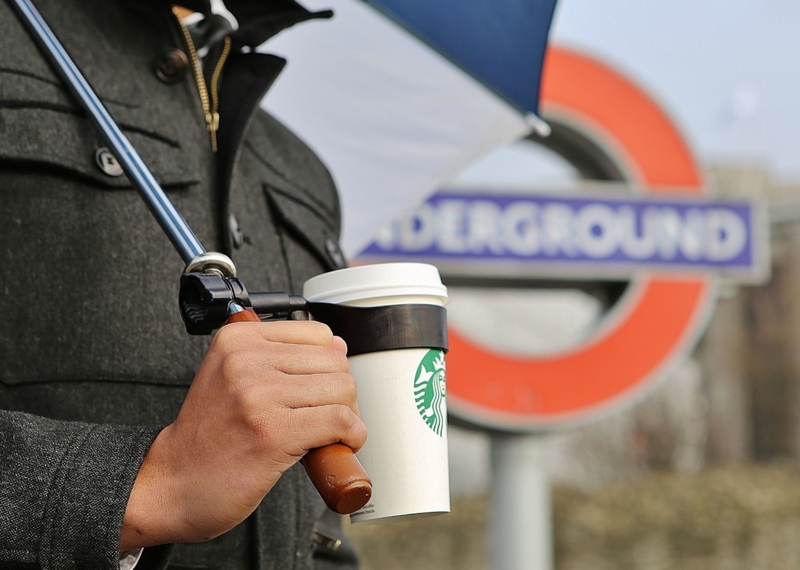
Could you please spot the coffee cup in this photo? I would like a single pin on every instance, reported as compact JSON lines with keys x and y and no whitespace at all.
{"x":393,"y":320}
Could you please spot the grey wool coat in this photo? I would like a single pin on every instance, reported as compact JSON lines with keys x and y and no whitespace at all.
{"x":94,"y":359}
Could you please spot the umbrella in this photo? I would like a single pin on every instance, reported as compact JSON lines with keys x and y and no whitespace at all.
{"x":399,"y":96}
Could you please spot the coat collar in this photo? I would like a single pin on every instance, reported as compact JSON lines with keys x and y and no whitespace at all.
{"x":258,"y":20}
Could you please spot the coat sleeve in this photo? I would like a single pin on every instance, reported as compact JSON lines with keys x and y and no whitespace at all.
{"x":64,"y":487}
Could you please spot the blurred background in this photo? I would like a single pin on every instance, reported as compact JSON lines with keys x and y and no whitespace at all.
{"x":703,"y":471}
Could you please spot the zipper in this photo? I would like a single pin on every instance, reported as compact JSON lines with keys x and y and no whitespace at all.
{"x":209,"y":99}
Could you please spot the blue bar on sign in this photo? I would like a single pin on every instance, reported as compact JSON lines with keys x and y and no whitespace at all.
{"x":634,"y":231}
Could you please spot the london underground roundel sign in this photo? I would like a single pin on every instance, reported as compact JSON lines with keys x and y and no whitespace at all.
{"x":659,"y":317}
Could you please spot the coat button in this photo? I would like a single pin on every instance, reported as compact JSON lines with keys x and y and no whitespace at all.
{"x":171,"y":66}
{"x":336,"y":255}
{"x":107,"y":162}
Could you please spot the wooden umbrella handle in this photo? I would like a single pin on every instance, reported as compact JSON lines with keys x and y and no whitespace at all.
{"x":335,"y":470}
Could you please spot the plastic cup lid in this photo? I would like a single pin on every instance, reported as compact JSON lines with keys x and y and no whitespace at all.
{"x":377,"y":280}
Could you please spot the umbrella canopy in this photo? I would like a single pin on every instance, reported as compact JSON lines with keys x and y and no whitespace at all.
{"x":397,"y":101}
{"x":500,"y":42}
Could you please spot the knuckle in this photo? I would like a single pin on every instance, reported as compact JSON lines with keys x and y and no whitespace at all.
{"x":320,"y":327}
{"x":321,"y":331}
{"x":266,"y":428}
{"x":271,"y":426}
{"x":355,"y":432}
{"x":345,"y":419}
{"x":338,"y":360}
{"x":346,"y":386}
{"x":247,"y":404}
{"x":234,"y":365}
{"x":280,"y":430}
{"x":226,"y":339}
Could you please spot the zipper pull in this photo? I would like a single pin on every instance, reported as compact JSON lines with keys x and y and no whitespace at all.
{"x":212,"y":124}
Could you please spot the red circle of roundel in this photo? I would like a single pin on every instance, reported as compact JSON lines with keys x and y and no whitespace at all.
{"x":658,"y":318}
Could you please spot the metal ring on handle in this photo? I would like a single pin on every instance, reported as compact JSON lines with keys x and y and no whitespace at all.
{"x":212,"y":263}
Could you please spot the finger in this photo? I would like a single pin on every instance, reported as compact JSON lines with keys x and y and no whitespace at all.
{"x":303,"y":359}
{"x":297,"y":359}
{"x":248,"y":334}
{"x":306,"y":391}
{"x":323,"y":425}
{"x":259,"y":361}
{"x":339,"y":344}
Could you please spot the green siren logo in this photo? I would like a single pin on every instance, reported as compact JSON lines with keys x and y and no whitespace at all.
{"x":429,"y":390}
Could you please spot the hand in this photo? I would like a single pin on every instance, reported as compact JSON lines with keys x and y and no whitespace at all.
{"x":265,"y":394}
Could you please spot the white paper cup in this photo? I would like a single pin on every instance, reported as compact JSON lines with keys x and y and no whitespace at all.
{"x":401,"y":393}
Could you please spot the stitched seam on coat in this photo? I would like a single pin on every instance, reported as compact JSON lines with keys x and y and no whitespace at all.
{"x":279,"y":230}
{"x":113,"y":381}
{"x":286,"y":226}
{"x":322,"y":218}
{"x":23,"y":556}
{"x":53,"y":82}
{"x":111,"y":528}
{"x":58,"y":108}
{"x":255,"y":534}
{"x":57,"y":83}
{"x":326,"y":211}
{"x":298,"y":514}
{"x":77,"y":440}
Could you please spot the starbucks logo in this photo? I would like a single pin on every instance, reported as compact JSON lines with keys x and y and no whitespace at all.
{"x":429,"y":390}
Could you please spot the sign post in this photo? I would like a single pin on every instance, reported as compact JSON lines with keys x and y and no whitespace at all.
{"x":520,"y":511}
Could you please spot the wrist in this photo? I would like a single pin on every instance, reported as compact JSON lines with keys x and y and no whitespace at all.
{"x":150,"y":514}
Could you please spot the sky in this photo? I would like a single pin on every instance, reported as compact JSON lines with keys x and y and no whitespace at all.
{"x":726,"y":71}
